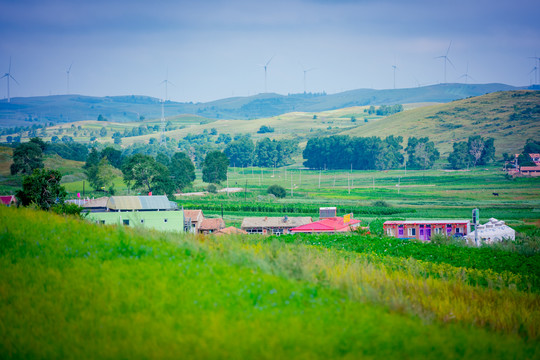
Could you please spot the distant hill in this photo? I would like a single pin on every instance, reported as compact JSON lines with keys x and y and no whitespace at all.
{"x":510,"y":117}
{"x":70,"y":108}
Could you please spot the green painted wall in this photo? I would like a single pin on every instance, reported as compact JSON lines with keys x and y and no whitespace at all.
{"x":159,"y":220}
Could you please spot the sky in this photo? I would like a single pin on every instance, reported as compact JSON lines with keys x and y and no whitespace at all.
{"x":212,"y":49}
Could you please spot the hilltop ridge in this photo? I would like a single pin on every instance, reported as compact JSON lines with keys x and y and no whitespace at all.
{"x":70,"y":108}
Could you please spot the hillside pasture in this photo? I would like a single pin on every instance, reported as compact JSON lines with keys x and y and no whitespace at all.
{"x":74,"y":289}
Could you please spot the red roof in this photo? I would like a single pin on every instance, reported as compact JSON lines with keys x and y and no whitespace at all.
{"x":212,"y":224}
{"x":530,"y":168}
{"x":335,"y":224}
{"x":8,"y":199}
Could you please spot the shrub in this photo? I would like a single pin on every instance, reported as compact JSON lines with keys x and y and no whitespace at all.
{"x":211,"y":188}
{"x":277,"y":191}
{"x":380,"y":203}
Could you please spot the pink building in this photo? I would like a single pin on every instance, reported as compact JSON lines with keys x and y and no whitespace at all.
{"x":328,"y":225}
{"x":425,"y":229}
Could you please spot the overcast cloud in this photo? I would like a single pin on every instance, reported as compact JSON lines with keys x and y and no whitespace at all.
{"x":213,"y":49}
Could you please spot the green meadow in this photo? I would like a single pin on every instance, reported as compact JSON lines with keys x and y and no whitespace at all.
{"x":71,"y":289}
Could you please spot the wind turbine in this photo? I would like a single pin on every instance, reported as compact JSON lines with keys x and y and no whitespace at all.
{"x":67,"y":72}
{"x":306,"y":71}
{"x":535,"y":69}
{"x":466,"y":75}
{"x":9,"y":76}
{"x":166,"y":82}
{"x":394,"y":68}
{"x":446,"y":59}
{"x":265,"y":66}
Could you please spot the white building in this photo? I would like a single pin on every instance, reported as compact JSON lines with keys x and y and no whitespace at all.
{"x":492,"y":231}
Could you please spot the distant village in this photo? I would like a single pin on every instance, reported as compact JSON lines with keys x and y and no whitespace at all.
{"x":157,"y":212}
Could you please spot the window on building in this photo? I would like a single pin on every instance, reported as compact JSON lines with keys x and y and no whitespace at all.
{"x":458,"y":230}
{"x":390,"y":232}
{"x":102,"y":221}
{"x":125,"y":222}
{"x":412,"y":231}
{"x":437,"y":230}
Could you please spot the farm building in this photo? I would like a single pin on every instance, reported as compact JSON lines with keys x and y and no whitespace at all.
{"x":194,"y":219}
{"x":493,"y":231}
{"x":424,"y":229}
{"x":99,"y":204}
{"x":273,"y":225}
{"x":530,"y":170}
{"x":8,"y":200}
{"x":155,"y":212}
{"x":209,"y":226}
{"x":328,"y":225}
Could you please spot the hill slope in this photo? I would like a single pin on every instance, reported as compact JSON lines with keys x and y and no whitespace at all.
{"x":71,"y":287}
{"x":68,"y":108}
{"x":510,"y":117}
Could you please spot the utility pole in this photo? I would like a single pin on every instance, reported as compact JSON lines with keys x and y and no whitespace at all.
{"x":320,"y":171}
{"x":291,"y":187}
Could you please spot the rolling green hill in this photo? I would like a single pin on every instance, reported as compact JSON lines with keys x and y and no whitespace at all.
{"x":69,"y":108}
{"x":74,"y":289}
{"x":510,"y":117}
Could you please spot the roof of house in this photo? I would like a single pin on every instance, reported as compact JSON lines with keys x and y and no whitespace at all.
{"x":275,"y":222}
{"x":194,"y":215}
{"x":326,"y":225}
{"x":229,"y":231}
{"x":212,"y":224}
{"x":426,"y":222}
{"x":158,"y":202}
{"x":530,"y":168}
{"x":97,"y":203}
{"x":7,"y":199}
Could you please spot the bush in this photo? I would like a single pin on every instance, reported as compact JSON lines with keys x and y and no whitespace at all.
{"x":277,"y":191}
{"x":380,"y":203}
{"x":67,"y":209}
{"x":211,"y":188}
{"x":376,"y":227}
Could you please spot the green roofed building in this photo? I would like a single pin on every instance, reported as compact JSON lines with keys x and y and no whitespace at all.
{"x":155,"y":212}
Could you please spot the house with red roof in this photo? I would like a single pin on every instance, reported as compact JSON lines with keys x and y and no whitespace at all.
{"x":328,"y":225}
{"x":8,"y":200}
{"x":209,"y":226}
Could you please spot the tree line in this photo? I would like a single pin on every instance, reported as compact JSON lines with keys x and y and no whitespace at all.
{"x":374,"y":153}
{"x":265,"y":153}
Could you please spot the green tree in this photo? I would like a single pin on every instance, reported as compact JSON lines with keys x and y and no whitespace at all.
{"x":113,"y":156}
{"x":422,"y":153}
{"x":277,"y":191}
{"x":103,"y":132}
{"x":144,"y":172}
{"x":214,"y":167}
{"x":482,"y":150}
{"x":26,"y":158}
{"x":100,"y":176}
{"x":240,"y":152}
{"x":42,"y":188}
{"x":92,"y":159}
{"x":460,"y":157}
{"x":182,"y":170}
{"x":163,"y":159}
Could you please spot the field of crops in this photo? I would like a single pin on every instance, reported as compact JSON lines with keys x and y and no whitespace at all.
{"x":72,"y":289}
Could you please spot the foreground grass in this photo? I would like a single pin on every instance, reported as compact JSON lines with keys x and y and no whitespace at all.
{"x":71,"y":289}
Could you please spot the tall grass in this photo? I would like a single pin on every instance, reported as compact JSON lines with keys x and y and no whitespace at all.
{"x":71,"y":289}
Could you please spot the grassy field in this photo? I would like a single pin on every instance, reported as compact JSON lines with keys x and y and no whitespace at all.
{"x":422,"y":194}
{"x":72,"y":289}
